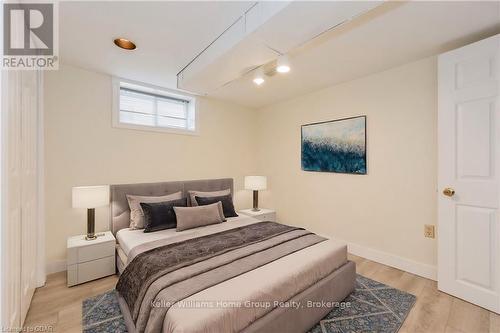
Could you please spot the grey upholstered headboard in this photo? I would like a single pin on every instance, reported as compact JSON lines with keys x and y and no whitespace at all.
{"x":120,"y":212}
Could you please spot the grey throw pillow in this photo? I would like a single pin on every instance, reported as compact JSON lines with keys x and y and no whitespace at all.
{"x":194,"y":217}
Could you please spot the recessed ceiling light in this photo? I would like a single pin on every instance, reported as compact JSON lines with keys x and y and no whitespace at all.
{"x":258,"y":78}
{"x":125,"y":44}
{"x":283,"y":65}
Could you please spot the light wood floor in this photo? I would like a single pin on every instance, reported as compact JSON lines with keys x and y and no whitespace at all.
{"x":434,"y":312}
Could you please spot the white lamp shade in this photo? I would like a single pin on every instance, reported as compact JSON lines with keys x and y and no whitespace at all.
{"x":255,"y":183}
{"x":90,"y":196}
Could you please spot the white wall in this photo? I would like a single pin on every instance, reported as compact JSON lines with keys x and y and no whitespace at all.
{"x":82,"y":148}
{"x":383,"y":212}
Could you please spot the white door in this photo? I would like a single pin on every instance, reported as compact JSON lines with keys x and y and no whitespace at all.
{"x":469,"y":173}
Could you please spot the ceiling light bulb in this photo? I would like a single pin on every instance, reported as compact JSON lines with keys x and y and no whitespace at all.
{"x":283,"y":65}
{"x":258,"y":78}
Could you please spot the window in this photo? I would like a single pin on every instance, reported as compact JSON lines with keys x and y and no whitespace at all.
{"x":146,"y":107}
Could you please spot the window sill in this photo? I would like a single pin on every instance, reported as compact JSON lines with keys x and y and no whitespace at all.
{"x":156,"y":129}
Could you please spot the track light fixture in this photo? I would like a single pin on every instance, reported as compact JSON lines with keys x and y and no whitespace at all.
{"x":258,"y":77}
{"x":283,"y":65}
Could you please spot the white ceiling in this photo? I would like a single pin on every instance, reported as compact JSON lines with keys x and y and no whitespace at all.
{"x":390,"y":35}
{"x":263,"y":33}
{"x":170,"y":34}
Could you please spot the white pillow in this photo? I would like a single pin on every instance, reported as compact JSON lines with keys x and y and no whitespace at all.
{"x":136,"y":213}
{"x":193,"y":194}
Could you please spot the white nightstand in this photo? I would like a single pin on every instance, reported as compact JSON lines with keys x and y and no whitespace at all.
{"x":90,"y":260}
{"x":263,"y":214}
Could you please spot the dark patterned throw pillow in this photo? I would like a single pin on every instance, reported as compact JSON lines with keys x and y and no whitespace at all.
{"x":161,"y":215}
{"x":227,"y":203}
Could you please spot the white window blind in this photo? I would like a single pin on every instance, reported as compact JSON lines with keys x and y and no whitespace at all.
{"x":153,"y":108}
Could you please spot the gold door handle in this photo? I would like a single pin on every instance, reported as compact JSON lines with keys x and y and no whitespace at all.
{"x":449,"y":192}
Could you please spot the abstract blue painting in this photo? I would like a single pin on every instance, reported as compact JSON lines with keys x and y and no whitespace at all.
{"x":335,"y":146}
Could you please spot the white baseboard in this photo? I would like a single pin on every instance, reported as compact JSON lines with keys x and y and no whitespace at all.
{"x":404,"y":264}
{"x":424,"y":270}
{"x":56,"y":266}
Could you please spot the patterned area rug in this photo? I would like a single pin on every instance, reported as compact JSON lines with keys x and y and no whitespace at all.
{"x":102,"y":314}
{"x":372,"y":307}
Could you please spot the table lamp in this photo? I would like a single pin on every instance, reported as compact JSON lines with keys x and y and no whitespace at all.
{"x":255,"y":183}
{"x":90,"y":197}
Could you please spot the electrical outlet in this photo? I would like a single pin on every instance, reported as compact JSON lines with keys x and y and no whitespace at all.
{"x":429,"y":231}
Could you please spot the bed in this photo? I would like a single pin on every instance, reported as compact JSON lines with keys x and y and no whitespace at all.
{"x":281,"y":279}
